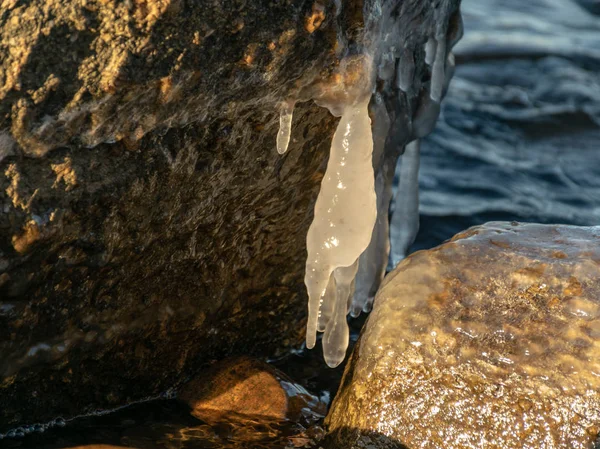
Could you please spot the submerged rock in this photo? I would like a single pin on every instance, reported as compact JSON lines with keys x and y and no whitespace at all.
{"x":489,"y":340}
{"x":245,"y":388}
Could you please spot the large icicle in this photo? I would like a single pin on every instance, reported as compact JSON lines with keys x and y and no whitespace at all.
{"x":373,"y":260}
{"x":345,"y":214}
{"x":380,"y":67}
{"x":405,"y":221}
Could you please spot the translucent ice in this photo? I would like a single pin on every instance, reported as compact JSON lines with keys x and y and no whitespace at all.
{"x":345,"y":214}
{"x":405,"y":221}
{"x":285,"y":126}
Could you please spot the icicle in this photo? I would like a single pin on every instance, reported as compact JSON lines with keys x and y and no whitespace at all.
{"x":336,"y":337}
{"x":426,"y":116}
{"x":430,"y":50}
{"x":406,"y":70}
{"x":437,"y":71}
{"x":345,"y":214}
{"x":285,"y":126}
{"x":373,"y":260}
{"x":405,"y":221}
{"x":386,"y":67}
{"x":327,"y":305}
{"x":455,"y":29}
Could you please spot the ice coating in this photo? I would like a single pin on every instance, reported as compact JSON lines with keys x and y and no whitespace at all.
{"x":405,"y":221}
{"x":373,"y":260}
{"x":385,"y":75}
{"x":285,"y":126}
{"x":345,"y":213}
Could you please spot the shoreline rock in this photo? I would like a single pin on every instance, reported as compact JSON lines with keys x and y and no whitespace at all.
{"x":147,"y":224}
{"x":490,"y":339}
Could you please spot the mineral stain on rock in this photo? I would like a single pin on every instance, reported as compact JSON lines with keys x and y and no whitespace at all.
{"x":489,"y":340}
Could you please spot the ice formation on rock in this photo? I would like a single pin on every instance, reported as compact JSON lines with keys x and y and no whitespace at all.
{"x":345,"y":214}
{"x":387,"y":76}
{"x":405,"y":221}
{"x":285,"y":126}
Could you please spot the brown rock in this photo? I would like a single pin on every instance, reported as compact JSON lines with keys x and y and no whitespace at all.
{"x":243,"y":387}
{"x":491,"y":340}
{"x":147,"y":223}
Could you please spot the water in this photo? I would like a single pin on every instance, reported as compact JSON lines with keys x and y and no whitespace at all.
{"x":519,"y":135}
{"x":518,"y":139}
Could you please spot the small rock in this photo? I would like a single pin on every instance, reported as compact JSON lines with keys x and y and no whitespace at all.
{"x":245,"y":387}
{"x":490,"y":340}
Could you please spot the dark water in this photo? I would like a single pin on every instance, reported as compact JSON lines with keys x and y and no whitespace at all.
{"x":519,"y":135}
{"x":518,"y":139}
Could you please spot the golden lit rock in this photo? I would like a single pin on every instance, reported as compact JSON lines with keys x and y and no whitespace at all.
{"x":489,"y":340}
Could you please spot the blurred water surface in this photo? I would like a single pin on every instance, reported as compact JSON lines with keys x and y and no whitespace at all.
{"x":519,"y":134}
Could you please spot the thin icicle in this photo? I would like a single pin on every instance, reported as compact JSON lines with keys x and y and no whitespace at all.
{"x":405,"y":221}
{"x":430,"y":50}
{"x":285,"y":126}
{"x":337,"y":335}
{"x":406,"y":70}
{"x":438,"y":77}
{"x":373,"y":260}
{"x":327,"y":305}
{"x":455,"y":29}
{"x":425,"y":117}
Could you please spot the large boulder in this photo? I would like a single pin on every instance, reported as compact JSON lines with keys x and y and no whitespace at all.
{"x":147,"y":224}
{"x":490,"y":340}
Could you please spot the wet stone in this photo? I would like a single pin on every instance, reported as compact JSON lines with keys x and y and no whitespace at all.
{"x":242,"y":388}
{"x":489,"y":340}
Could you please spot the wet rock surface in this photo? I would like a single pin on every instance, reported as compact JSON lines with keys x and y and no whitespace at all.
{"x":161,"y":229}
{"x":147,"y":224}
{"x":244,"y":388}
{"x":489,"y":340}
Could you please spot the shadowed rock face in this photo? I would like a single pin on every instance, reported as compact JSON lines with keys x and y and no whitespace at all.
{"x":147,"y":224}
{"x":489,"y":340}
{"x":126,"y":266}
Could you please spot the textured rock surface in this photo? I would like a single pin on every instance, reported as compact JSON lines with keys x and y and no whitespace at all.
{"x":147,"y":223}
{"x":127,"y":265}
{"x":242,"y":387}
{"x":490,"y":340}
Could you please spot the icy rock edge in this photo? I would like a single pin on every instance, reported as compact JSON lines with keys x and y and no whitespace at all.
{"x":385,"y":108}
